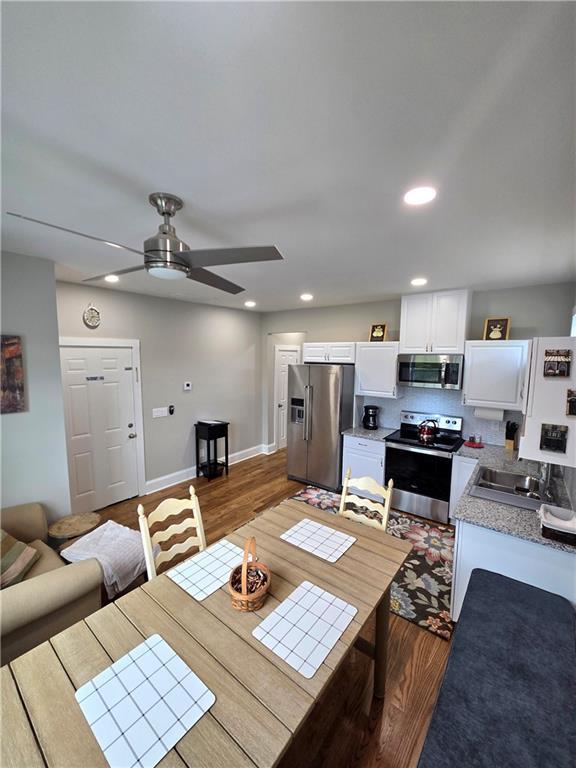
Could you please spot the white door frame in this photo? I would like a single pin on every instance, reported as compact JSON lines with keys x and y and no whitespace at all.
{"x":277,"y":348}
{"x":134,"y":345}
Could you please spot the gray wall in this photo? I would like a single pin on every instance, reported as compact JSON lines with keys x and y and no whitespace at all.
{"x":217,"y":349}
{"x":34,"y":464}
{"x":542,"y":310}
{"x":535,"y":311}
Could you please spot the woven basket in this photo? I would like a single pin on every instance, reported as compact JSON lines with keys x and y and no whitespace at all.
{"x":249,"y":601}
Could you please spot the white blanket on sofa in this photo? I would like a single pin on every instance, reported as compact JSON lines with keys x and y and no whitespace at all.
{"x":119,"y":551}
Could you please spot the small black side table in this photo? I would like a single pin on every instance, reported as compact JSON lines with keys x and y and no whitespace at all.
{"x":211,"y":431}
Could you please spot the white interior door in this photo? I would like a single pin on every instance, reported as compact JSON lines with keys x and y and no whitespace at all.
{"x":100,"y":425}
{"x":285,"y":355}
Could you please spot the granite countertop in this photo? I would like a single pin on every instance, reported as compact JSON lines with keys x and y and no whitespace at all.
{"x":370,"y":434}
{"x":504,"y":518}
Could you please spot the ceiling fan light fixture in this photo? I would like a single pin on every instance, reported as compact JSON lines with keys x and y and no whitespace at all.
{"x":165,"y":272}
{"x":112,"y":278}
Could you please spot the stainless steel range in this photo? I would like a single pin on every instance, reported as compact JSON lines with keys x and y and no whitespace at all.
{"x":419,"y":461}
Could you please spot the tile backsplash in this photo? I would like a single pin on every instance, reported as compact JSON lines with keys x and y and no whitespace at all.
{"x":437,"y":401}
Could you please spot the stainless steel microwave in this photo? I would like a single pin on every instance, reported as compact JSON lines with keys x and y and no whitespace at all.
{"x":434,"y":371}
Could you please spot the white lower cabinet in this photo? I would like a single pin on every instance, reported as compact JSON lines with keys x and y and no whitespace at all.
{"x":537,"y":564}
{"x":364,"y":458}
{"x":462,"y":468}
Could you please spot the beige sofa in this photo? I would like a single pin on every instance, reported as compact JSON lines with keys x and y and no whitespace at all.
{"x":52,"y":596}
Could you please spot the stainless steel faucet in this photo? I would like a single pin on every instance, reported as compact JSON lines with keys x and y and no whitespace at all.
{"x":546,"y":469}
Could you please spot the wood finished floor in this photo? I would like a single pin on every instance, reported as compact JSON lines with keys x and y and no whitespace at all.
{"x":390,"y":734}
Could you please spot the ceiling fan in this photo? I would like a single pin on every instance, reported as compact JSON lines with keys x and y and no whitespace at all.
{"x":169,"y":258}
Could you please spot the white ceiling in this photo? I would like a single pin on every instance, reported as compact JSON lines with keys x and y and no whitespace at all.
{"x":299,"y":125}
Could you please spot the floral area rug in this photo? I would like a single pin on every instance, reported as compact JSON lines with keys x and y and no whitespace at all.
{"x":421,"y":590}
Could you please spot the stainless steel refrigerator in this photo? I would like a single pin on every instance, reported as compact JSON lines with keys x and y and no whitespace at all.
{"x":321,"y":403}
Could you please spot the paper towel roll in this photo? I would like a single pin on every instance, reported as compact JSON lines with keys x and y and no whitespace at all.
{"x":492,"y":414}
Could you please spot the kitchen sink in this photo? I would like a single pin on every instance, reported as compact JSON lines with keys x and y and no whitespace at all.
{"x":525,"y":491}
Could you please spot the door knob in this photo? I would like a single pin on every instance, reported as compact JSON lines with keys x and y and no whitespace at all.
{"x":132,"y":435}
{"x":279,"y":405}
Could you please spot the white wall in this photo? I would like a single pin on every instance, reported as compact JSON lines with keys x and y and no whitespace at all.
{"x":34,"y":464}
{"x":217,"y":349}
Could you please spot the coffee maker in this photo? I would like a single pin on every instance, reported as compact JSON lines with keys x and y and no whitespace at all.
{"x":370,"y":418}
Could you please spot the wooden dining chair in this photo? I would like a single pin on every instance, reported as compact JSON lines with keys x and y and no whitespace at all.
{"x":163,"y":511}
{"x":369,"y":485}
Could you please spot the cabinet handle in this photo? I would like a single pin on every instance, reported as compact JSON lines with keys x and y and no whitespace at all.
{"x":382,"y":463}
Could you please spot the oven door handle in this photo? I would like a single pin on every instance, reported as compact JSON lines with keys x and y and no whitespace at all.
{"x":417,"y":449}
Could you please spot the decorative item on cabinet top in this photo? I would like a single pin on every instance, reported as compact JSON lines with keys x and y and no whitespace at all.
{"x":378,"y":332}
{"x":496,"y":329}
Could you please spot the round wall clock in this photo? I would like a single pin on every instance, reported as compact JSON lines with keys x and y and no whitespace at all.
{"x":91,"y":316}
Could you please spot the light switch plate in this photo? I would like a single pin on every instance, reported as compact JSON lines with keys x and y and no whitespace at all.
{"x":158,"y":413}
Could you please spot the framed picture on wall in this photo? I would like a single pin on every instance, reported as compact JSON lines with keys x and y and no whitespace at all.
{"x":496,"y":328}
{"x":13,"y":400}
{"x":378,"y":332}
{"x":557,"y":363}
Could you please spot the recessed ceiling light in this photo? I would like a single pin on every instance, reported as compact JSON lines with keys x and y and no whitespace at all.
{"x":112,"y":278}
{"x":306,"y":297}
{"x":419,"y":281}
{"x":419,"y":195}
{"x":250,"y":304}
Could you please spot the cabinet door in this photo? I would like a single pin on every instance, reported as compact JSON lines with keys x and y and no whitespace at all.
{"x":462,"y":468}
{"x":344,"y":352}
{"x":314,"y":353}
{"x":494,"y":374}
{"x":449,"y":321}
{"x":363,"y":463}
{"x":415,"y":319}
{"x":376,"y":368}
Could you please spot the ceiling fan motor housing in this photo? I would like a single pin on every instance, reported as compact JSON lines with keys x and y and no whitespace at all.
{"x":161,"y":250}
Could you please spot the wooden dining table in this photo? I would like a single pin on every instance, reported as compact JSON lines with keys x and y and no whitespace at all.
{"x":261,"y":702}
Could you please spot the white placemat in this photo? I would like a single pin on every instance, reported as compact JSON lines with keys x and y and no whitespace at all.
{"x":204,"y":573}
{"x":305,"y":627}
{"x":143,"y":704}
{"x":320,"y":540}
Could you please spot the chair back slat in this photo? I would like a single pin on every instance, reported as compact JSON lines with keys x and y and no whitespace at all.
{"x":166,"y":509}
{"x":169,"y":554}
{"x":369,"y":485}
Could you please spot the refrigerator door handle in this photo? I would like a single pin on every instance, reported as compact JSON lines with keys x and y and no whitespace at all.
{"x":307,"y":411}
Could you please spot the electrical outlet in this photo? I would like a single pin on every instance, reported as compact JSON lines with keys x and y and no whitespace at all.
{"x":187,"y":387}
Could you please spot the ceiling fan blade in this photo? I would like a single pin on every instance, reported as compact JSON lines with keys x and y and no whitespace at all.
{"x":73,"y":232}
{"x":115,"y":272}
{"x":215,"y":257}
{"x":214,"y":281}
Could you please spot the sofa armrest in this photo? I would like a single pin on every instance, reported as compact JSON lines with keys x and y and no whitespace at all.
{"x":30,"y":600}
{"x":25,"y":522}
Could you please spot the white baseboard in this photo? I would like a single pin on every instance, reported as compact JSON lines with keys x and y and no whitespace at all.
{"x":183,"y":475}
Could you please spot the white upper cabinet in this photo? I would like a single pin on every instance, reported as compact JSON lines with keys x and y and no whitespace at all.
{"x":495,"y":374}
{"x":376,"y":368}
{"x":342,"y":352}
{"x":415,"y":322}
{"x":434,"y":322}
{"x":314,"y":353}
{"x":329,"y":352}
